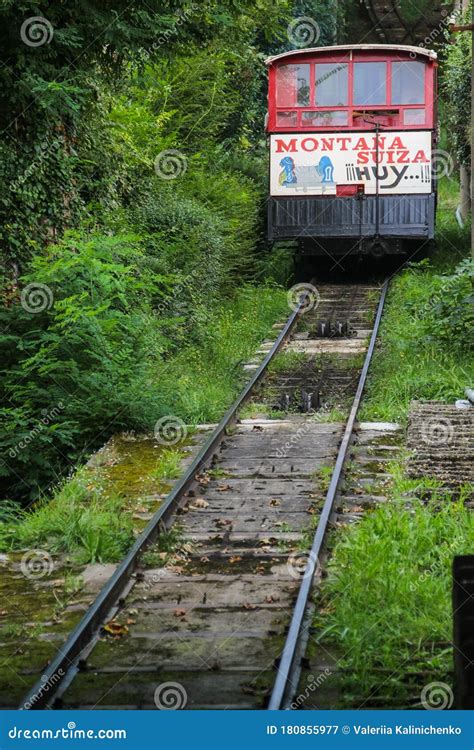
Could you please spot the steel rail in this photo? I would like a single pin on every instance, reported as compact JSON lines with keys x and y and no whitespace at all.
{"x":56,"y":673}
{"x":281,"y":693}
{"x":372,"y":13}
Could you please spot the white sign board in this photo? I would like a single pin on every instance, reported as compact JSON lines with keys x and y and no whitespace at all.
{"x":317,"y":163}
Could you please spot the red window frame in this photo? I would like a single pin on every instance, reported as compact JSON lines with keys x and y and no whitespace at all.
{"x":397,"y":122}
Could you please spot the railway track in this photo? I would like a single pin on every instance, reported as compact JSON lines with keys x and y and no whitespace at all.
{"x":424,"y":23}
{"x":224,"y":622}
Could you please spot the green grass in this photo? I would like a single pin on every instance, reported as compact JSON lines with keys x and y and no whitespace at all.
{"x":385,"y":607}
{"x":79,"y":520}
{"x":286,"y":361}
{"x":200,"y":381}
{"x":254,"y":409}
{"x":218,"y":474}
{"x":159,"y":554}
{"x":388,"y":595}
{"x":168,"y":465}
{"x":332,"y":415}
{"x":421,"y":356}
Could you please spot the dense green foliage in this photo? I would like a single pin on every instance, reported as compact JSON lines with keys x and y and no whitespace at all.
{"x":53,"y":79}
{"x":79,"y":364}
{"x":116,"y":349}
{"x":456,"y":92}
{"x":140,"y":127}
{"x":111,"y":353}
{"x":388,"y":599}
{"x":426,"y":341}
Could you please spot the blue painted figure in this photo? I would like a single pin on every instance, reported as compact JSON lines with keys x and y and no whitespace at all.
{"x":326,"y":169}
{"x":288,"y":174}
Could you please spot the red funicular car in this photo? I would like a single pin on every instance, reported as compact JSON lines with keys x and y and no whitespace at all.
{"x":352,"y":131}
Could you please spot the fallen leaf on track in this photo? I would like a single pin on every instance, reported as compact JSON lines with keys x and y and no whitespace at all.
{"x":222,"y":522}
{"x":272,"y":598}
{"x":115,"y":628}
{"x":198,"y":503}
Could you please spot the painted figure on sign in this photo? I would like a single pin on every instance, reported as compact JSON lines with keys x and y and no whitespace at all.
{"x":287,"y":175}
{"x":326,"y":169}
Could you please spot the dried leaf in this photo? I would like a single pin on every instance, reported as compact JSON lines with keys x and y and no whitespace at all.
{"x":272,"y":598}
{"x":222,"y":522}
{"x":199,"y":503}
{"x":115,"y":628}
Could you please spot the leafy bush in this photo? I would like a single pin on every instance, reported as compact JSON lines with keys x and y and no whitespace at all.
{"x":456,"y":90}
{"x":103,"y":354}
{"x":426,"y":346}
{"x":448,"y":316}
{"x":75,"y":365}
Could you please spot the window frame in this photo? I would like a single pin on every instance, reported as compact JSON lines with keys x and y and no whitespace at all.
{"x":419,"y":105}
{"x":288,"y":107}
{"x":313,"y":89}
{"x":351,"y":58}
